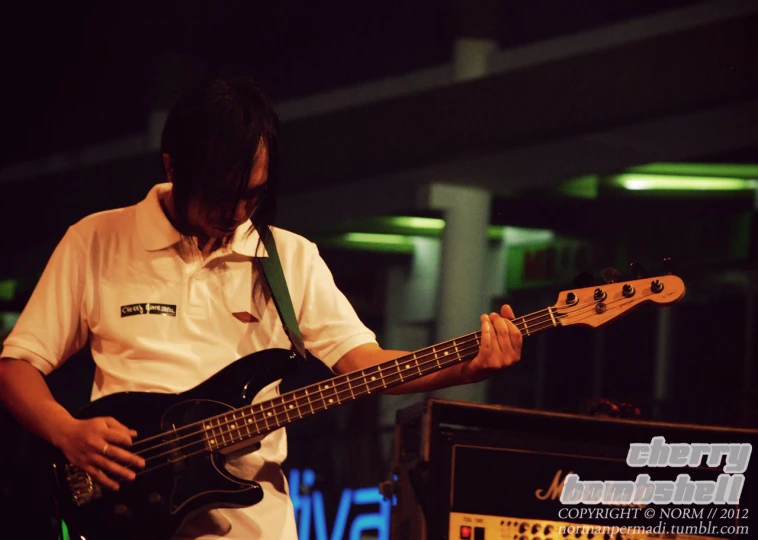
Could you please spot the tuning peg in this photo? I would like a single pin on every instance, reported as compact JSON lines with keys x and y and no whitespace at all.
{"x":668,"y":266}
{"x":585,"y":279}
{"x":638,"y":270}
{"x":610,"y":275}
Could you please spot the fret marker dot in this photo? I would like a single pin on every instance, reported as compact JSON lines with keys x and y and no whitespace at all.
{"x":233,"y":426}
{"x":447,"y":352}
{"x":373,"y":378}
{"x":249,"y":421}
{"x":407,"y":366}
{"x":269,"y":414}
{"x":207,"y":426}
{"x":331,"y":400}
{"x":292,"y":407}
{"x":326,"y":386}
{"x":213,"y":441}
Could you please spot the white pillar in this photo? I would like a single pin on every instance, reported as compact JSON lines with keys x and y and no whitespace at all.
{"x":471,"y":57}
{"x":476,"y":37}
{"x":410,"y":311}
{"x":462,"y":297}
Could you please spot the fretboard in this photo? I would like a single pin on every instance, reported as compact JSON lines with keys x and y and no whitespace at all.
{"x":251,"y":421}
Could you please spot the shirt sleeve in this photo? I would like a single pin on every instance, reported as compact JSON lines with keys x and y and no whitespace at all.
{"x":328,"y":322}
{"x":53,"y":325}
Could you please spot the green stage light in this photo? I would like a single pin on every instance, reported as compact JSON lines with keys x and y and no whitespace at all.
{"x":649,"y":182}
{"x":410,"y":226}
{"x":64,"y":532}
{"x":376,"y":238}
{"x":519,"y":236}
{"x":416,"y":223}
{"x":8,"y":289}
{"x":583,"y":187}
{"x":399,"y":234}
{"x":380,"y":242}
{"x":718,"y":170}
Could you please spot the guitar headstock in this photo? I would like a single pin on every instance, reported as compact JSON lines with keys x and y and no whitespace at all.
{"x":595,"y":306}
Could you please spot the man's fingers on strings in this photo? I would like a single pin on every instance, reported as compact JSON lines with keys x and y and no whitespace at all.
{"x":100,"y":476}
{"x":118,"y":427}
{"x":123,"y":456}
{"x":486,"y":340}
{"x":515,"y":342}
{"x":501,"y":332}
{"x":508,"y":338}
{"x":112,"y":468}
{"x":507,"y":312}
{"x":117,"y":437}
{"x":111,"y":448}
{"x":499,"y":323}
{"x":517,"y":339}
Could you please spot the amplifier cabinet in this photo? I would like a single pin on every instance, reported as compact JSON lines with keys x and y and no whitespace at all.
{"x":474,"y":472}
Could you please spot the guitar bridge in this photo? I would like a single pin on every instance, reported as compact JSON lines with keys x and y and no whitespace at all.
{"x":83,"y":488}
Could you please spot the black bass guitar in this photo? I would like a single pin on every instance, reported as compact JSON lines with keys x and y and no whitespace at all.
{"x":185,"y":438}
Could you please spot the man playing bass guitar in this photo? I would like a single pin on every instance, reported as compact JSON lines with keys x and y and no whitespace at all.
{"x":167,"y":294}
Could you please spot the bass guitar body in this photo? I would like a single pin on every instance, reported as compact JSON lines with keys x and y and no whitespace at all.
{"x":183,"y":475}
{"x":185,"y":437}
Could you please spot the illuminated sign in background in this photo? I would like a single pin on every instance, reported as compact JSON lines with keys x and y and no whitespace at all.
{"x":359,"y":511}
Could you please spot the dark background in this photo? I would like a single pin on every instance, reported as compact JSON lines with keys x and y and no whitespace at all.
{"x":82,"y":74}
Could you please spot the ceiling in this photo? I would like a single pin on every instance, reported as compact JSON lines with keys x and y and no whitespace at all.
{"x":685,"y":95}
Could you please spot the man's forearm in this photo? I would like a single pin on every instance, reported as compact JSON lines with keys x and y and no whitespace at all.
{"x":25,"y":394}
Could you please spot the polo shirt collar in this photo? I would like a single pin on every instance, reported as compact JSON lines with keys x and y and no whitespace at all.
{"x":247,"y":244}
{"x":156,"y":231}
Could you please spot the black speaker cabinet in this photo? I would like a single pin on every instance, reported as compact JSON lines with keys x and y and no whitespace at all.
{"x":482,"y":472}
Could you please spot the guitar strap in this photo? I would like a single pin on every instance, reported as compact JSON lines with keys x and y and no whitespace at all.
{"x":274,"y":275}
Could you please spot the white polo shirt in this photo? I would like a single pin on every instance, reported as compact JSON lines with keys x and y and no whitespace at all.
{"x":160,"y":320}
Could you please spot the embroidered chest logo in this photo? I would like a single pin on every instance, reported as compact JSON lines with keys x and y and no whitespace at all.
{"x":167,"y":310}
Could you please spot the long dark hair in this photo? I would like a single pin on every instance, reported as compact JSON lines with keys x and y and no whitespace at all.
{"x":212,"y":136}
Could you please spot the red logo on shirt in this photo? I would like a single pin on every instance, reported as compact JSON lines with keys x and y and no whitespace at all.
{"x":245,"y":317}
